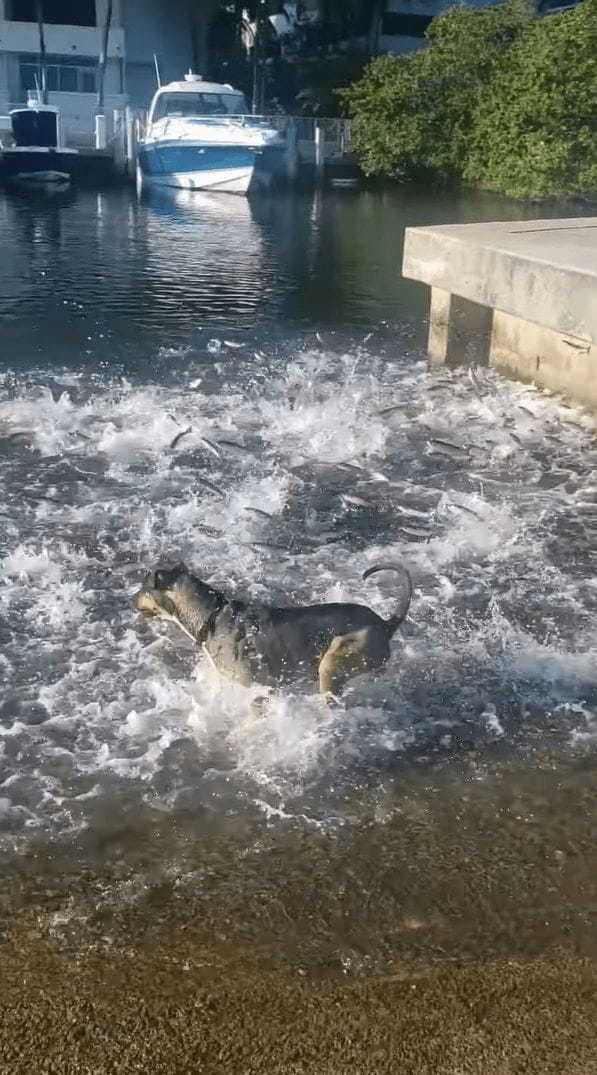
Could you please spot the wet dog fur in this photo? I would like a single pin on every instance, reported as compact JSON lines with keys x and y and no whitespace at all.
{"x":324,"y":644}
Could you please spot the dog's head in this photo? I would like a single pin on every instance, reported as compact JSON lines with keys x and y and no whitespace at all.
{"x":173,"y":593}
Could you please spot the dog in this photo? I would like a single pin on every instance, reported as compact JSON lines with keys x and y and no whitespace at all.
{"x":325,"y":644}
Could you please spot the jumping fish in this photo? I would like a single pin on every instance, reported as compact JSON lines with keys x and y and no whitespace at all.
{"x":352,"y":466}
{"x":259,"y":511}
{"x":178,"y":438}
{"x":412,"y":512}
{"x":210,"y":485}
{"x":463,"y":507}
{"x":389,"y":410}
{"x":266,"y":545}
{"x":239,"y":447}
{"x":211,"y":447}
{"x":449,"y":444}
{"x":354,"y":501}
{"x":41,"y":496}
{"x":415,"y":532}
{"x":209,"y":531}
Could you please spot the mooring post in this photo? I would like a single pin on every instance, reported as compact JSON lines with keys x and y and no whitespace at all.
{"x":291,"y":151}
{"x":131,"y":141}
{"x":319,"y":152}
{"x":101,"y":139}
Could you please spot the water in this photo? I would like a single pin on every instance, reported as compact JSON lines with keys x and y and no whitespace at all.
{"x":243,"y":386}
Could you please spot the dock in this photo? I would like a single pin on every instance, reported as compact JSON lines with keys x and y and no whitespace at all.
{"x":520,"y":296}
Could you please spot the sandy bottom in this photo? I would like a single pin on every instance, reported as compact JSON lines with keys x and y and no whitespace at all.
{"x":189,"y":1003}
{"x":485,"y":922}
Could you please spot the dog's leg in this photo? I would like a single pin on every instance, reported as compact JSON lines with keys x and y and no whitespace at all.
{"x":346,"y":656}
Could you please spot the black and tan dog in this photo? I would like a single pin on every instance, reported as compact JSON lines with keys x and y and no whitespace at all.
{"x":326,"y":644}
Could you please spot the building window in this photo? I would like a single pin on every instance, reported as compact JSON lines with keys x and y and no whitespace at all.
{"x":69,"y":74}
{"x":405,"y":25}
{"x":56,"y":12}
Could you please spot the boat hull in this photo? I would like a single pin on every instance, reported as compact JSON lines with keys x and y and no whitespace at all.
{"x":36,"y":167}
{"x":198,"y":167}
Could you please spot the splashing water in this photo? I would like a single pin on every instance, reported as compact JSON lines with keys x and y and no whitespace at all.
{"x":292,"y":476}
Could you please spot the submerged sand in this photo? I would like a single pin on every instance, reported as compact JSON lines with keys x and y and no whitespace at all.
{"x":185,"y":1004}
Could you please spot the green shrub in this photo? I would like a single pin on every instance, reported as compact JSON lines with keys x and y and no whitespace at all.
{"x":413,"y":113}
{"x":499,"y":97}
{"x":535,"y":132}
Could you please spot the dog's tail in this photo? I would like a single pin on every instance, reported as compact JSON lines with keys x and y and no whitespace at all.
{"x":405,"y":596}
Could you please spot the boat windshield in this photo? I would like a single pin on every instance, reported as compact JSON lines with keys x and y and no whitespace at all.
{"x":200,"y":104}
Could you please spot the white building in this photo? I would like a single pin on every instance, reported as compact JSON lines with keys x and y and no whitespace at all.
{"x":73,"y":35}
{"x":404,"y":22}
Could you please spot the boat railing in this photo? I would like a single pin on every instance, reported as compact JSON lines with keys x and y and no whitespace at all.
{"x":315,"y":137}
{"x":336,"y":132}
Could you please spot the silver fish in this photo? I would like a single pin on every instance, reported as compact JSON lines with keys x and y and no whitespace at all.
{"x":210,"y":485}
{"x":178,"y":438}
{"x":259,"y":511}
{"x":211,"y":447}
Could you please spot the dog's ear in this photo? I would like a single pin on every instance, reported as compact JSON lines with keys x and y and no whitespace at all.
{"x":159,"y":580}
{"x":164,"y":578}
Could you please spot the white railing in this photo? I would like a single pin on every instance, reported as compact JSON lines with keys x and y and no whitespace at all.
{"x":336,"y":133}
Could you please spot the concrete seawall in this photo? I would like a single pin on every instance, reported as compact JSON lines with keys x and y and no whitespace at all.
{"x":520,"y":296}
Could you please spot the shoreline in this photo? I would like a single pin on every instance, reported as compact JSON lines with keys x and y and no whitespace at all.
{"x":187,"y":1004}
{"x":472,"y":951}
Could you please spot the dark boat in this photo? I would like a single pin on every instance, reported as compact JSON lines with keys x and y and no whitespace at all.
{"x":36,"y":160}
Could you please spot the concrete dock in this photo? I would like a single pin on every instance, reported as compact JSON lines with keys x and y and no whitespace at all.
{"x":520,"y":296}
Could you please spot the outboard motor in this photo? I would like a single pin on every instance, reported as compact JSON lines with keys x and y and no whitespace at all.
{"x":36,"y":126}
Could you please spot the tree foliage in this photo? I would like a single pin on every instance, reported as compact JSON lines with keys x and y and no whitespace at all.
{"x":535,"y":131}
{"x":500,"y":97}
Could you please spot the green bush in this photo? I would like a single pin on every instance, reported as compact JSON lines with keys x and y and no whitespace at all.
{"x":499,"y":97}
{"x":535,"y":132}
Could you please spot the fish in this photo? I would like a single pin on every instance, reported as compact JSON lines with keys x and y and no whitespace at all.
{"x":210,"y":485}
{"x":415,"y":532}
{"x":259,"y":511}
{"x":42,"y":496}
{"x":211,"y":447}
{"x":449,"y":444}
{"x":374,"y":476}
{"x":266,"y":545}
{"x":412,"y":512}
{"x":178,"y":438}
{"x":448,"y":453}
{"x":463,"y":507}
{"x":232,"y":343}
{"x":239,"y":447}
{"x":209,"y":531}
{"x":390,"y":410}
{"x":354,"y":501}
{"x":352,"y":466}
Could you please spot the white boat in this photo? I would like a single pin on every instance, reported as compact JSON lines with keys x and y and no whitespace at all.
{"x":200,"y":137}
{"x":37,"y":160}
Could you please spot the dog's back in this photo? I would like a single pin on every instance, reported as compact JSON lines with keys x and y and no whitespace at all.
{"x":268,"y":645}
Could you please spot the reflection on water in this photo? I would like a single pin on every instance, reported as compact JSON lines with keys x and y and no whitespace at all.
{"x":103,"y":277}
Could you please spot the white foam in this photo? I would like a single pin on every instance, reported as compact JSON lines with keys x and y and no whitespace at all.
{"x":115,"y":694}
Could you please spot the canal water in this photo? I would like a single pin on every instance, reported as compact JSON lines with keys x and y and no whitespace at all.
{"x":242,"y":385}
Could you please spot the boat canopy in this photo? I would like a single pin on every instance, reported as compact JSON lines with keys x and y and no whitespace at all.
{"x":195,"y":97}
